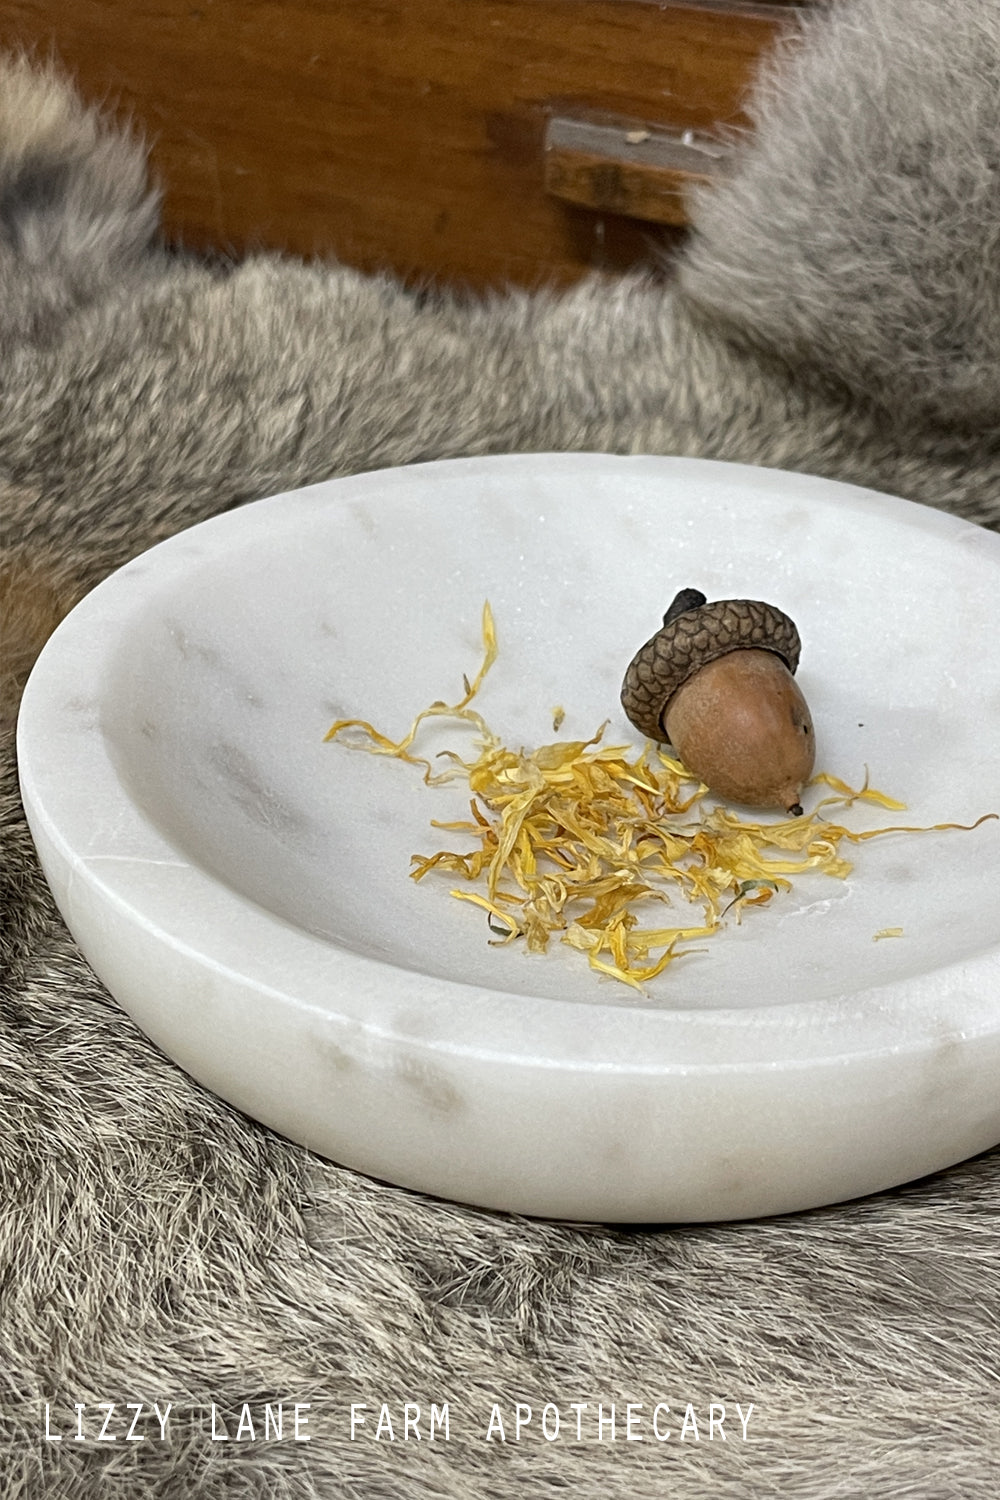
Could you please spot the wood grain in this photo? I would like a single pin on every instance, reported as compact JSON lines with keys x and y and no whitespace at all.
{"x":398,"y":134}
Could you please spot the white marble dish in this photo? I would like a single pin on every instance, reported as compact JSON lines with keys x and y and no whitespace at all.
{"x":243,"y":887}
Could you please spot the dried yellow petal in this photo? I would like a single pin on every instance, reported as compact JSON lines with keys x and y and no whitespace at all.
{"x":574,"y":837}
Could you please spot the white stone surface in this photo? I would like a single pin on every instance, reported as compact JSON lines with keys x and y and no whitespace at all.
{"x":243,"y":890}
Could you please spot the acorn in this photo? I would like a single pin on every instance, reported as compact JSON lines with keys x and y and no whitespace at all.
{"x":716,"y":682}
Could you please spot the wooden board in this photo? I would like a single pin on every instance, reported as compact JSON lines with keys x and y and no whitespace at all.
{"x":398,"y":134}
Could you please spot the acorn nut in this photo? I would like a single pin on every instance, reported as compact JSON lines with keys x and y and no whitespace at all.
{"x":716,"y":682}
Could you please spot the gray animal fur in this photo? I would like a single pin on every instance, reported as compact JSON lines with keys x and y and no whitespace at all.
{"x":838,"y":311}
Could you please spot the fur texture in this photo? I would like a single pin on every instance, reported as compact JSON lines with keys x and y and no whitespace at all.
{"x":838,"y":311}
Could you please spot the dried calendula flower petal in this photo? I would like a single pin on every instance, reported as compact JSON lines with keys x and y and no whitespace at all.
{"x":576,"y":837}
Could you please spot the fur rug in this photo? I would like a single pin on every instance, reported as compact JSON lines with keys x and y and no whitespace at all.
{"x":837,"y":311}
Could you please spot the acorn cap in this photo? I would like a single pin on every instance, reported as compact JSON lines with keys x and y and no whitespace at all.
{"x":695,"y":632}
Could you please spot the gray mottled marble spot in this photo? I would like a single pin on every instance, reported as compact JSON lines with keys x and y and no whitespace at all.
{"x":249,"y":790}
